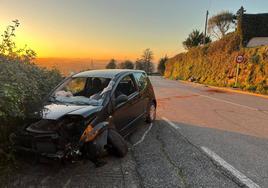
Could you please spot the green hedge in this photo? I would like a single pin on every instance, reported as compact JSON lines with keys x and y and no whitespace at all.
{"x":253,"y":25}
{"x":214,"y":64}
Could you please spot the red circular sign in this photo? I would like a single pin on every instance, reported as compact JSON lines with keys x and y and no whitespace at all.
{"x":239,"y":59}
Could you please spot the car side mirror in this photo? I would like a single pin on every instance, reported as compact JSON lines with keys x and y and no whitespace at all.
{"x":121,"y":99}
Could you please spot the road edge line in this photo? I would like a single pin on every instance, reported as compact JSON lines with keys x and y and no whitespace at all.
{"x":226,"y":89}
{"x":244,"y":180}
{"x":225,"y":171}
{"x":170,"y":123}
{"x":229,"y":102}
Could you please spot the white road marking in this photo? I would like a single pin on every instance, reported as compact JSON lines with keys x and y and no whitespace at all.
{"x":228,"y":102}
{"x":67,"y":183}
{"x":144,"y":135}
{"x":245,"y":180}
{"x":171,"y":123}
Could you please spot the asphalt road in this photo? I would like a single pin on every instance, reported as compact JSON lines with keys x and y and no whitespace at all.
{"x":172,"y":151}
{"x":234,"y":126}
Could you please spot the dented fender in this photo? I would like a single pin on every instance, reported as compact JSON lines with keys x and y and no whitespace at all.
{"x":94,"y":140}
{"x":97,"y":134}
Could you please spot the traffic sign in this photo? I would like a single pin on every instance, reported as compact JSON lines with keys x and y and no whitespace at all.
{"x":239,"y":59}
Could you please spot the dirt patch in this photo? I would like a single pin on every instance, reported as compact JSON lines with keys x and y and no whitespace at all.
{"x":185,"y":96}
{"x":215,"y":91}
{"x":176,"y":97}
{"x":162,"y":101}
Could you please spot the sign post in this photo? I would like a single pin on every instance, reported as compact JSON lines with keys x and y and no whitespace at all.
{"x":239,"y":59}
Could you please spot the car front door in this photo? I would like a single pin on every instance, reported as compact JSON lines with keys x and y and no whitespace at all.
{"x":126,"y":112}
{"x":141,"y":80}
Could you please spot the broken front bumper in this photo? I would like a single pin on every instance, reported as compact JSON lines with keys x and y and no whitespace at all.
{"x":41,"y":144}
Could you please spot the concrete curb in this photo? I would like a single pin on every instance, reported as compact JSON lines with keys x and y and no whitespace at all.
{"x":226,"y":89}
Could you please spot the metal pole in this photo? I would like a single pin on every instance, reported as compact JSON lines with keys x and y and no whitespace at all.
{"x":206,"y":24}
{"x":237,"y":72}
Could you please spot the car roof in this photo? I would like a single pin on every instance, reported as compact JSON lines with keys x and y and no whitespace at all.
{"x":105,"y":73}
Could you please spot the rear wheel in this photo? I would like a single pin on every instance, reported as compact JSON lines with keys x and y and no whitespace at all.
{"x":117,"y":142}
{"x":151,"y":114}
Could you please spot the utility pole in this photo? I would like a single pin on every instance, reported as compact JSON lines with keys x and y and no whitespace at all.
{"x":206,"y":24}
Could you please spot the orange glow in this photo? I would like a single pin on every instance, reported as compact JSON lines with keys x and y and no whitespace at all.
{"x":62,"y":42}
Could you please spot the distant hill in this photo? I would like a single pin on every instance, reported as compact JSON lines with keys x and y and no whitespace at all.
{"x":71,"y":65}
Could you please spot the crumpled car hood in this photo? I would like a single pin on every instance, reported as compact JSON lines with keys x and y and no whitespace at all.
{"x":56,"y":111}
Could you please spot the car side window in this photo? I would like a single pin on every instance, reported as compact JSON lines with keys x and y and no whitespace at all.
{"x":126,"y":86}
{"x":141,"y":79}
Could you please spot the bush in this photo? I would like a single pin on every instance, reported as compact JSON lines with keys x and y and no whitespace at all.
{"x":254,"y":59}
{"x":162,"y":65}
{"x":23,"y":86}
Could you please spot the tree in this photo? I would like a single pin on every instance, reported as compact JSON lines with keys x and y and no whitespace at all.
{"x":145,"y":62}
{"x":126,"y":65}
{"x":162,"y":65}
{"x":240,"y":12}
{"x":111,"y":64}
{"x":139,"y":64}
{"x":9,"y":50}
{"x":195,"y":38}
{"x":23,"y":85}
{"x":220,"y":24}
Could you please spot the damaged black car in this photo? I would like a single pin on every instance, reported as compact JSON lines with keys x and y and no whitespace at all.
{"x":89,"y":114}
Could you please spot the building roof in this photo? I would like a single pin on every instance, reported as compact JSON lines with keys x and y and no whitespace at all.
{"x":258,"y":41}
{"x":104,"y":73}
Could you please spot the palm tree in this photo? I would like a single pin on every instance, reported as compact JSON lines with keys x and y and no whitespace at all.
{"x":194,"y":39}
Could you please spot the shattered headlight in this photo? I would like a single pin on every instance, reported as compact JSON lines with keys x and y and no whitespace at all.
{"x":89,"y":134}
{"x":42,"y":126}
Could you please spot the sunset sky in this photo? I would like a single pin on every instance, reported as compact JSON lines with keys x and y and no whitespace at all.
{"x":105,"y":29}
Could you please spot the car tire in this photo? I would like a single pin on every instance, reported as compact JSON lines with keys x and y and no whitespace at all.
{"x":151,"y":113}
{"x":118,"y":144}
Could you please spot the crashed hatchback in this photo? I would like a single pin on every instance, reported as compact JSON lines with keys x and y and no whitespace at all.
{"x":89,"y":114}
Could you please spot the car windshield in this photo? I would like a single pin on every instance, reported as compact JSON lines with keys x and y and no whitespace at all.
{"x":82,"y":91}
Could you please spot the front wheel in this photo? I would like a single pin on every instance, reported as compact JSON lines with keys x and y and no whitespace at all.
{"x":118,"y":143}
{"x":151,"y":114}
